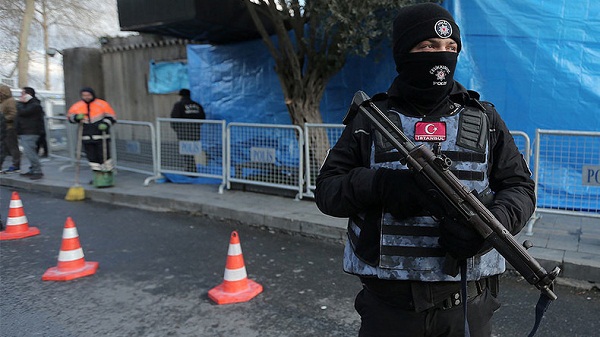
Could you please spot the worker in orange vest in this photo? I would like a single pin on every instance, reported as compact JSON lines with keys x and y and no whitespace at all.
{"x":96,"y":117}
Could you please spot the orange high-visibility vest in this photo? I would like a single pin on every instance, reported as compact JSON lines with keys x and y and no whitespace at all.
{"x":95,"y":111}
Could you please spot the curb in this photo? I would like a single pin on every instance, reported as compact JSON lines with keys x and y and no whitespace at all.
{"x":283,"y":219}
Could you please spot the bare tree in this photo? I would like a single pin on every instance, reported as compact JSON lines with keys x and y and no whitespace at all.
{"x":55,"y":23}
{"x":43,"y":22}
{"x":23,"y":58}
{"x":10,"y":22}
{"x":311,"y":43}
{"x":71,"y":18}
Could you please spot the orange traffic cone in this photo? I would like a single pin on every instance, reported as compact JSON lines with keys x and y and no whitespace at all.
{"x":71,"y":264}
{"x":236,"y":287}
{"x":16,"y":224}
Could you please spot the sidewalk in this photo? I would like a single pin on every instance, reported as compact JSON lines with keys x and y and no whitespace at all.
{"x":570,"y":242}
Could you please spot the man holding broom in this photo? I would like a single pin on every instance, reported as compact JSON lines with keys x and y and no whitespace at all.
{"x":95,"y":117}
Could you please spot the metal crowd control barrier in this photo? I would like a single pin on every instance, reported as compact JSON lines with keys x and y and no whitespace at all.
{"x":192,"y":148}
{"x":59,"y":138}
{"x":523,"y":142}
{"x":318,"y":139}
{"x":265,"y":155}
{"x":334,"y":131}
{"x":135,"y":148}
{"x":567,"y":172}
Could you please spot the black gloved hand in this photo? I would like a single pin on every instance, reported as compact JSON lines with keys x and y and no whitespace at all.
{"x":459,"y":239}
{"x":398,"y":192}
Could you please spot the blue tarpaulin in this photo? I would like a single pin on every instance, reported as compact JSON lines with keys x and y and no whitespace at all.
{"x":167,"y":77}
{"x":537,"y":61}
{"x":238,"y":83}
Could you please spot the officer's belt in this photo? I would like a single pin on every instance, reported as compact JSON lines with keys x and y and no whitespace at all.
{"x":399,"y":293}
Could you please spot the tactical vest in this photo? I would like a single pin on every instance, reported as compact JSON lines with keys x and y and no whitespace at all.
{"x":409,"y":248}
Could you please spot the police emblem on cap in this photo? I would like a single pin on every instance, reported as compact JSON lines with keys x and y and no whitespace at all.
{"x":443,"y":29}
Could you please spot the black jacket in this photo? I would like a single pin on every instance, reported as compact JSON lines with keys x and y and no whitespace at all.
{"x":30,"y":118}
{"x":188,"y":109}
{"x":344,"y":186}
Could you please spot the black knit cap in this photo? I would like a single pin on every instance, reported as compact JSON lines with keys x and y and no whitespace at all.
{"x":185,"y":93}
{"x":420,"y":22}
{"x":88,"y":89}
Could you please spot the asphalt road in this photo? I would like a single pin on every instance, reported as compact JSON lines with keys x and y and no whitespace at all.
{"x":156,"y":270}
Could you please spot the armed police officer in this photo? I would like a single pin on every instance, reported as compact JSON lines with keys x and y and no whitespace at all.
{"x":395,"y":246}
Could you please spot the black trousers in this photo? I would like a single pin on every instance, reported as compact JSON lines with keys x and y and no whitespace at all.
{"x":380,"y":318}
{"x":10,"y":147}
{"x":189,"y":163}
{"x":42,"y":144}
{"x":93,"y":150}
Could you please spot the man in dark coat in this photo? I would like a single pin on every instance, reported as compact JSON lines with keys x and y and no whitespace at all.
{"x":30,"y":126}
{"x":186,"y":108}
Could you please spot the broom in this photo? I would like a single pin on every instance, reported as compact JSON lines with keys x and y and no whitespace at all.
{"x":76,"y":192}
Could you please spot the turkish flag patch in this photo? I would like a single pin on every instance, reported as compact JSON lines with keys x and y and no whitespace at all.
{"x":430,"y":131}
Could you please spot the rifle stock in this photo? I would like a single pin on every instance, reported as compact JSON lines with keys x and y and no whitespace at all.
{"x":435,"y":169}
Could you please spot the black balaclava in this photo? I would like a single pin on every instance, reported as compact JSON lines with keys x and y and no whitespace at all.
{"x":90,"y":90}
{"x":424,"y":78}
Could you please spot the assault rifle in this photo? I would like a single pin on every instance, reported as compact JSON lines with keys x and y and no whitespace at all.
{"x":434,"y":169}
